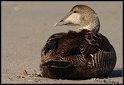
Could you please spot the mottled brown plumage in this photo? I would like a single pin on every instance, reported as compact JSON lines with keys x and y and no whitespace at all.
{"x":72,"y":55}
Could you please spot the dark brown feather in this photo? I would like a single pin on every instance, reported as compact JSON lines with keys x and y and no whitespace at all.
{"x":89,"y":55}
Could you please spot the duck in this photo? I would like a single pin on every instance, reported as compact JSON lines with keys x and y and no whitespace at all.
{"x":82,"y":53}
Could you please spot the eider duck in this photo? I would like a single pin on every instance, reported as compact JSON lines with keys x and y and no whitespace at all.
{"x":78,"y":54}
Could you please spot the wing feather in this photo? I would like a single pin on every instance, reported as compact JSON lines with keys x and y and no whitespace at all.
{"x":52,"y":42}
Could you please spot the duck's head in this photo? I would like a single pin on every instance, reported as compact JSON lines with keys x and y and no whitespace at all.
{"x":83,"y":16}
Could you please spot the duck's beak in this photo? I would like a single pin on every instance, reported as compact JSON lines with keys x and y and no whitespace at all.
{"x":60,"y":23}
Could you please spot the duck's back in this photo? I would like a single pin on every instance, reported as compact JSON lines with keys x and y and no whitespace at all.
{"x":77,"y":55}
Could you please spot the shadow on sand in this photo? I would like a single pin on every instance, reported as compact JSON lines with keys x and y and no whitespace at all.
{"x":117,"y":73}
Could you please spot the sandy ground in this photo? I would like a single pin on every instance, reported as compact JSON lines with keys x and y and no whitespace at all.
{"x":27,"y":25}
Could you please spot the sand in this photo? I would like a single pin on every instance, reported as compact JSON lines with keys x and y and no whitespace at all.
{"x":27,"y":25}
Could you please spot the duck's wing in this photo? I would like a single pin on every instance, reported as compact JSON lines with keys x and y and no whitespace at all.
{"x":84,"y":44}
{"x":95,"y":42}
{"x":91,"y":44}
{"x":100,"y":54}
{"x":51,"y":43}
{"x":89,"y":52}
{"x":74,"y":50}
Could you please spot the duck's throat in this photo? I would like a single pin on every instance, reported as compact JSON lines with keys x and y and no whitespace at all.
{"x":93,"y":29}
{"x":82,"y":28}
{"x":78,"y":29}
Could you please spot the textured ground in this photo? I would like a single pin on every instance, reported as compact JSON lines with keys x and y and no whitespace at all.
{"x":27,"y":25}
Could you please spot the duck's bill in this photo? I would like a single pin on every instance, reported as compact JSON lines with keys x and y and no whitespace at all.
{"x":60,"y":23}
{"x":63,"y":23}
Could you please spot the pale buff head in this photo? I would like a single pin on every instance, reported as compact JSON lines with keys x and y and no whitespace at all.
{"x":83,"y":16}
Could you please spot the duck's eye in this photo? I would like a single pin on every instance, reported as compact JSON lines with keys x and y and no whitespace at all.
{"x":75,"y":11}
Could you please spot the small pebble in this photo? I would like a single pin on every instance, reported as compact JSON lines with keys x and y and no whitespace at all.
{"x":23,"y":73}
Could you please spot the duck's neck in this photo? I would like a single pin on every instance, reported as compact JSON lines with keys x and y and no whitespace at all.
{"x":96,"y":29}
{"x":79,"y":29}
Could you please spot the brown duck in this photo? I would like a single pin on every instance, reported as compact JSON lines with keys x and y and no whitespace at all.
{"x":82,"y":53}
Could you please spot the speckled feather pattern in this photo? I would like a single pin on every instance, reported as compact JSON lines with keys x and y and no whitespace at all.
{"x":89,"y":55}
